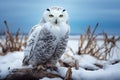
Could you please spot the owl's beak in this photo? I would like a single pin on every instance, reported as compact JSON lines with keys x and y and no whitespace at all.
{"x":56,"y":21}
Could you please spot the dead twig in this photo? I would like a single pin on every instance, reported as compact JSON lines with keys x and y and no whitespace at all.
{"x":68,"y":74}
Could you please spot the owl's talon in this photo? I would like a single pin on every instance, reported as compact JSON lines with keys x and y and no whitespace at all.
{"x":40,"y":67}
{"x":51,"y":67}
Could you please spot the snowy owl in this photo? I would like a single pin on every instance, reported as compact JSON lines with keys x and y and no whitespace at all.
{"x":48,"y":40}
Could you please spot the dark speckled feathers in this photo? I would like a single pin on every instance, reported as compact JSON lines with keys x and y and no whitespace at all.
{"x":48,"y":49}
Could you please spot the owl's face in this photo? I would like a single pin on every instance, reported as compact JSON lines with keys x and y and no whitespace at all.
{"x":55,"y":15}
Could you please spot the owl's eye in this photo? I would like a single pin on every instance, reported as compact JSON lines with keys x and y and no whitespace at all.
{"x":51,"y":15}
{"x":61,"y":15}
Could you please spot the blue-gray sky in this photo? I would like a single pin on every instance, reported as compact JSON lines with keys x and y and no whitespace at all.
{"x":27,"y":13}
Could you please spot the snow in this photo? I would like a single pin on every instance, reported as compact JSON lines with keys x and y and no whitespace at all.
{"x":50,"y":78}
{"x":9,"y":62}
{"x":108,"y":72}
{"x":86,"y":61}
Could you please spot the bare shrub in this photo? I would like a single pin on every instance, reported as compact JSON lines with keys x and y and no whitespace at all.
{"x":100,"y":52}
{"x":12,"y":42}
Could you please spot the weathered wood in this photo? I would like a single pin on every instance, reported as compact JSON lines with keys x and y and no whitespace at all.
{"x":30,"y":74}
{"x":68,"y":74}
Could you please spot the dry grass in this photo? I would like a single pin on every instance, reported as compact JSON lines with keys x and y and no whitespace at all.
{"x":100,"y":52}
{"x":12,"y":42}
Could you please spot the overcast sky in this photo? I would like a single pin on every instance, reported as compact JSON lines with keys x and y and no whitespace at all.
{"x":27,"y":13}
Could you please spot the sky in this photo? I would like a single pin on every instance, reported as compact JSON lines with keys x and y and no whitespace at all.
{"x":24,"y":14}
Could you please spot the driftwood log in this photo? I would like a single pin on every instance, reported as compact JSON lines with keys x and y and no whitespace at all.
{"x":30,"y":74}
{"x":34,"y":74}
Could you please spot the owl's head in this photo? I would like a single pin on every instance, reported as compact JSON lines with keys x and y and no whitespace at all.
{"x":55,"y":15}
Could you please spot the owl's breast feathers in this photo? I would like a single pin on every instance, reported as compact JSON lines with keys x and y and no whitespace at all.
{"x":46,"y":48}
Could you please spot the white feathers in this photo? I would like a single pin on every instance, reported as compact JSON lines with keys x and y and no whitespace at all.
{"x":57,"y":30}
{"x":33,"y":35}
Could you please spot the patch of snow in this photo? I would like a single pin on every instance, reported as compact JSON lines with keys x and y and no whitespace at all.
{"x":86,"y":61}
{"x":50,"y":78}
{"x":111,"y":72}
{"x":9,"y":62}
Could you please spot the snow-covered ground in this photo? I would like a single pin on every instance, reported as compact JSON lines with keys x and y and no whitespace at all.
{"x":108,"y":72}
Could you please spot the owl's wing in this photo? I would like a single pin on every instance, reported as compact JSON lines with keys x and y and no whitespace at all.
{"x":31,"y":41}
{"x":61,"y":45}
{"x":44,"y":47}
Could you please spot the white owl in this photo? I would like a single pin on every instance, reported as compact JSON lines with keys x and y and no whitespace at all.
{"x":48,"y":40}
